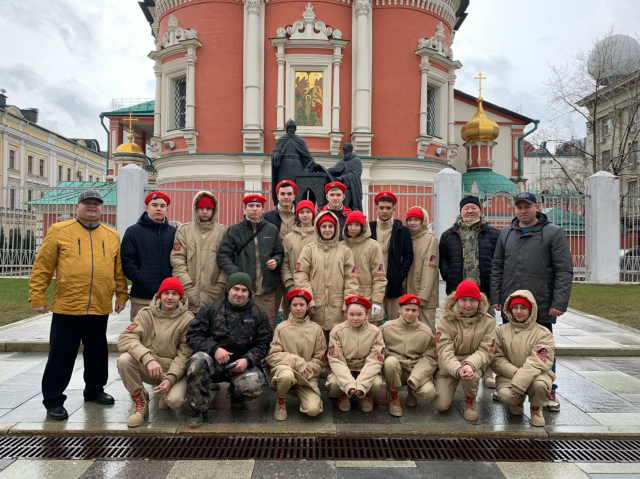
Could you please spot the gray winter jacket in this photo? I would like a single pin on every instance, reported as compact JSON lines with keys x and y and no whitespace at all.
{"x":539,"y":261}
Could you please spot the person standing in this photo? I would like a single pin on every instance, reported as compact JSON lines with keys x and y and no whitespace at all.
{"x":195,"y":250}
{"x":533,"y":254}
{"x":397,"y":250}
{"x":283,"y":217}
{"x":369,"y":267}
{"x":423,"y":279}
{"x":335,"y":193}
{"x":146,"y":251}
{"x":85,"y":254}
{"x":253,"y":246}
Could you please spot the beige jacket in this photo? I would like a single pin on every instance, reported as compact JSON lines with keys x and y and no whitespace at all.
{"x":326,"y":270}
{"x":461,"y":340}
{"x":413,"y":346}
{"x":370,"y":271}
{"x":423,"y":280}
{"x":297,"y":344}
{"x":524,"y":351}
{"x":355,"y":350}
{"x":194,"y":257}
{"x":160,"y":336}
{"x":292,"y":244}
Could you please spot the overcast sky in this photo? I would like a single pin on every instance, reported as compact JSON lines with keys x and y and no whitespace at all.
{"x":70,"y":58}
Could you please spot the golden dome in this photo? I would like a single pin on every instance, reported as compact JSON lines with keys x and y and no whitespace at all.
{"x":130,"y":149}
{"x":480,"y":128}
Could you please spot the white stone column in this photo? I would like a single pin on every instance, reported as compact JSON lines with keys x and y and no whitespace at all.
{"x":190,"y":120}
{"x":335,"y":109}
{"x":448,"y":192}
{"x":424,"y":83}
{"x":602,"y":228}
{"x":280,"y":107}
{"x":130,"y":194}
{"x":363,"y":67}
{"x":157,"y":112}
{"x":252,"y":65}
{"x":450,"y":113}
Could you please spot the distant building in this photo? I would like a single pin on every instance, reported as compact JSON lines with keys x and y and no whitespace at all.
{"x":564,"y":170}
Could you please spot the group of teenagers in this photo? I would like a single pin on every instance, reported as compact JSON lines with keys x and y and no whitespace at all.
{"x":358,"y":301}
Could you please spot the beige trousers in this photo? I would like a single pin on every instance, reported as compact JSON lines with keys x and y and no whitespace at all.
{"x":134,"y":374}
{"x":538,"y":392}
{"x":281,"y":300}
{"x":267,"y":303}
{"x":334,"y":389}
{"x":391,"y":308}
{"x":396,"y":377}
{"x":428,"y":317}
{"x":136,"y":305}
{"x":310,"y":401}
{"x":446,"y":387}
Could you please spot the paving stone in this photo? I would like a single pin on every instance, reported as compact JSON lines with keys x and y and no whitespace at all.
{"x":626,"y":339}
{"x":614,"y":476}
{"x":13,"y":395}
{"x":209,"y":469}
{"x":630,"y":366}
{"x":459,"y":470}
{"x":5,"y":411}
{"x":294,"y":469}
{"x":614,"y":381}
{"x":382,"y":472}
{"x":583,"y":364}
{"x":568,"y":415}
{"x":604,"y":468}
{"x":33,"y":410}
{"x":616,"y":419}
{"x":43,"y":468}
{"x":4,"y":463}
{"x":492,"y":413}
{"x":375,"y":464}
{"x":518,"y":470}
{"x":128,"y":470}
{"x":380,"y":415}
{"x":632,"y":398}
{"x":592,"y":340}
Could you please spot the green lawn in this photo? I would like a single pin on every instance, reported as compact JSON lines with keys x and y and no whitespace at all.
{"x":14,"y":298}
{"x":620,"y":303}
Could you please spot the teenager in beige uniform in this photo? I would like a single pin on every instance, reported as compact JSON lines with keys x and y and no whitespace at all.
{"x":356,"y":356}
{"x":154,"y":351}
{"x":300,"y":236}
{"x":195,"y":251}
{"x":367,"y":254}
{"x":423,"y":280}
{"x":325,"y":269}
{"x":410,"y":358}
{"x":465,"y":342}
{"x":296,"y":357}
{"x":523,"y":358}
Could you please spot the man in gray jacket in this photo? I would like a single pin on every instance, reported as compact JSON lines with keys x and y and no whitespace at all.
{"x":533,"y":254}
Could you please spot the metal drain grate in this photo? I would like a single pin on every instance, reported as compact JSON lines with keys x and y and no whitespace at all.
{"x":313,"y":448}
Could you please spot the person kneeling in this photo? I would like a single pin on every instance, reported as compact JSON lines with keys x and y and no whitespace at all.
{"x":523,"y":358}
{"x":356,"y":356}
{"x":296,"y":357}
{"x":411,"y":357}
{"x":465,"y":342}
{"x":230,"y":337}
{"x":154,"y":351}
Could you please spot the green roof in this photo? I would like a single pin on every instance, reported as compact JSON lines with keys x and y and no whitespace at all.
{"x":67,"y":192}
{"x":487,"y":181}
{"x":140,"y":110}
{"x":567,"y":220}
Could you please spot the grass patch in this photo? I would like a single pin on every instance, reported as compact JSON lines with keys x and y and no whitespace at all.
{"x":14,"y":298}
{"x":619,"y":303}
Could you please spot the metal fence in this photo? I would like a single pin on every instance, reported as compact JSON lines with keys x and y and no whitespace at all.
{"x":629,"y":235}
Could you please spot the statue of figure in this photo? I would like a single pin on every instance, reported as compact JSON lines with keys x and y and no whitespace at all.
{"x":348,"y":172}
{"x":290,"y":157}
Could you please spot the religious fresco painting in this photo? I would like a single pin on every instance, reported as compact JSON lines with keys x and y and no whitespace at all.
{"x":309,"y":90}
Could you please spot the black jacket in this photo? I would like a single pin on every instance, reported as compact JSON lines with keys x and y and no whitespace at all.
{"x":539,"y":261}
{"x":400,"y":256}
{"x":273,"y":217}
{"x":145,"y":253}
{"x":452,"y":263}
{"x":233,"y":328}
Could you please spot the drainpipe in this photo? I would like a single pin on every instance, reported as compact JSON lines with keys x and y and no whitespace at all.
{"x":106,"y":175}
{"x":519,"y":139}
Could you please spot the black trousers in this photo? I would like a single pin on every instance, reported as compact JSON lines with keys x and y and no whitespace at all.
{"x":67,"y":332}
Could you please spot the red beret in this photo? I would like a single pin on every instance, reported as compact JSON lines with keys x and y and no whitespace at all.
{"x":287,"y":183}
{"x":468,"y":289}
{"x":387,"y":195}
{"x":326,"y":217}
{"x":205,"y":201}
{"x":358,"y":300}
{"x":409,"y":299}
{"x":254,"y":198}
{"x":171,"y":284}
{"x":157,"y":195}
{"x":520,"y":300}
{"x":299,"y":293}
{"x":356,"y":217}
{"x":335,"y":184}
{"x":415,"y":213}
{"x":305,"y":204}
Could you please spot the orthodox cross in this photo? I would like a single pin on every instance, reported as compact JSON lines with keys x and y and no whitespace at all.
{"x":131,"y":119}
{"x":480,"y":78}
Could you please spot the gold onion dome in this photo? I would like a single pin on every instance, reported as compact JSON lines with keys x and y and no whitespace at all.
{"x":130,"y":148}
{"x":480,"y":127}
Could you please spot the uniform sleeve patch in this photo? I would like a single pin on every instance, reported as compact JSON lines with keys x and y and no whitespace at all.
{"x":177,"y":246}
{"x":354,"y":273}
{"x":541,"y":354}
{"x":132,"y":326}
{"x":298,"y":264}
{"x":332,"y":351}
{"x":380,"y":358}
{"x":438,"y":335}
{"x":381,"y":267}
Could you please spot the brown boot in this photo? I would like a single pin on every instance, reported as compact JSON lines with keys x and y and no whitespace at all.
{"x":281,"y":408}
{"x":537,"y":419}
{"x":470,"y":408}
{"x":395,"y":406}
{"x":140,"y":409}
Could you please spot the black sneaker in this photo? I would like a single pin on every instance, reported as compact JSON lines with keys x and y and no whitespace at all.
{"x":58,"y":413}
{"x":196,"y":418}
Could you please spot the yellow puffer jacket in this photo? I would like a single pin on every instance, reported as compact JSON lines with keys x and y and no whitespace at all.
{"x":86,"y":259}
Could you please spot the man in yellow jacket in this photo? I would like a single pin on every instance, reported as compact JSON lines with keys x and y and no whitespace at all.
{"x":85,"y":255}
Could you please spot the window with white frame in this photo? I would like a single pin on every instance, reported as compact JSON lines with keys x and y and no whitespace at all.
{"x":30,"y":164}
{"x":69,"y":173}
{"x":179,"y":102}
{"x":91,"y":178}
{"x":12,"y":159}
{"x":80,"y":176}
{"x":42,"y":167}
{"x":632,"y":187}
{"x":431,"y":111}
{"x":606,"y":127}
{"x":60,"y":173}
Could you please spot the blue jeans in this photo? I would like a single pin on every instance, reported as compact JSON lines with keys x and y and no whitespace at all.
{"x":549,"y":326}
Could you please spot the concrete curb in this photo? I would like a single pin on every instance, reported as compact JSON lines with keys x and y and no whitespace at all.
{"x":604,"y":321}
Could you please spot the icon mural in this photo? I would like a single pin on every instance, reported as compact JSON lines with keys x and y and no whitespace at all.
{"x":309,"y":92}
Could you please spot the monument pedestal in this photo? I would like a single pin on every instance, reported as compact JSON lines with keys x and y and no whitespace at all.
{"x":311,"y":187}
